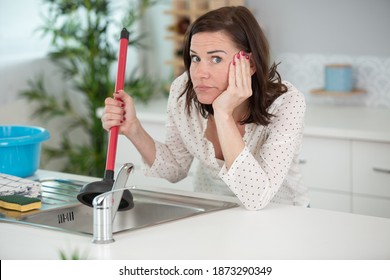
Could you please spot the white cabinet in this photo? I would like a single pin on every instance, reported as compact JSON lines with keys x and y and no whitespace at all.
{"x":318,"y":160}
{"x":373,"y":206}
{"x":371,"y":178}
{"x":326,"y":171}
{"x":371,"y":168}
{"x":347,"y":175}
{"x":330,"y":200}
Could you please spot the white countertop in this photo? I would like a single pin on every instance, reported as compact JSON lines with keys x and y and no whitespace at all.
{"x":356,"y":123}
{"x":277,"y":232}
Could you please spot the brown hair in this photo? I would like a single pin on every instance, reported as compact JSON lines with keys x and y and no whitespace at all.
{"x":243,"y":28}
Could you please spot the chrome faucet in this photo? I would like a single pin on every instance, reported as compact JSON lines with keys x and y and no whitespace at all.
{"x":106,"y":205}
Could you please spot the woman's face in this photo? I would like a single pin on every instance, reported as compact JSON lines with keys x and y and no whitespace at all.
{"x":211,"y":54}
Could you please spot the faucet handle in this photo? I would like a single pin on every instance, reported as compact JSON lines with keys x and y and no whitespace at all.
{"x":120,"y":184}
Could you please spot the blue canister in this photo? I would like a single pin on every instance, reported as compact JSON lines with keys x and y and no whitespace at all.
{"x":338,"y":77}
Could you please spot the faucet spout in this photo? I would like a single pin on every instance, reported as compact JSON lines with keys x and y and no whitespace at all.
{"x":105,"y":207}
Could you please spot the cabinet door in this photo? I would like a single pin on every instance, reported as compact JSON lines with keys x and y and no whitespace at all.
{"x":325,"y":163}
{"x":330,"y":200}
{"x":371,"y":168}
{"x":372,"y":206}
{"x":326,"y":170}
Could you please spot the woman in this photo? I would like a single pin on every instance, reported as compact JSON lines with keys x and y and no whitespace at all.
{"x":230,"y":111}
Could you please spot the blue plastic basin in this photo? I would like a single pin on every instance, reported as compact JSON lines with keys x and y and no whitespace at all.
{"x":20,"y":149}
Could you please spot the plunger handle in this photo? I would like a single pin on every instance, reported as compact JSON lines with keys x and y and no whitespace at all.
{"x":119,"y":85}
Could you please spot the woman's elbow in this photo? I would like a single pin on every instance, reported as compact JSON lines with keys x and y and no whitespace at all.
{"x":177,"y":178}
{"x":257,"y":201}
{"x":254,"y":206}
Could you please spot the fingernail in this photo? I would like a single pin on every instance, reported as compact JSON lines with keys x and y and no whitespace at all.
{"x":242,"y":53}
{"x":123,"y":105}
{"x":238,"y":55}
{"x":247,"y":56}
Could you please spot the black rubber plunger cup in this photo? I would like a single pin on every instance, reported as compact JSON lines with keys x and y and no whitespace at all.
{"x":89,"y":191}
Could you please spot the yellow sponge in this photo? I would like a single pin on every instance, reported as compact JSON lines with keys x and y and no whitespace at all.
{"x":19,"y":203}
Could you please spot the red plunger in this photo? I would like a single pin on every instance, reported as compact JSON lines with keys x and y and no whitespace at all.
{"x":89,"y":191}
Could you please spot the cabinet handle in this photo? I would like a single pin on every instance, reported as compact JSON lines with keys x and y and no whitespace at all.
{"x":302,"y":161}
{"x":382,"y":170}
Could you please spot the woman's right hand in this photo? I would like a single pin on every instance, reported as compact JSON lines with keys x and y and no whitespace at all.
{"x":120,"y":111}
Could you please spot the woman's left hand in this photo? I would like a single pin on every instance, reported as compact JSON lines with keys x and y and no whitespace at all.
{"x":239,"y":86}
{"x":239,"y":89}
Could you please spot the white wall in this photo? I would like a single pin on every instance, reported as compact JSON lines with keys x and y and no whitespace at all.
{"x":18,"y":22}
{"x":305,"y":35}
{"x":353,"y":27}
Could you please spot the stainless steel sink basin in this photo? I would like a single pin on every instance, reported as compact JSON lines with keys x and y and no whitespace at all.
{"x":62,"y":211}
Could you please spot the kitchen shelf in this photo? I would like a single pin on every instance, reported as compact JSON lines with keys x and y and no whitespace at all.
{"x":175,"y":37}
{"x":185,"y":12}
{"x":324,"y":92}
{"x":175,"y":62}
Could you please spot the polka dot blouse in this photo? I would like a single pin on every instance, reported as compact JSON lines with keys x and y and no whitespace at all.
{"x":267,"y":168}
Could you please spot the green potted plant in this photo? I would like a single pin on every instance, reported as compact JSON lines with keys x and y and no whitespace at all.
{"x":85,"y":37}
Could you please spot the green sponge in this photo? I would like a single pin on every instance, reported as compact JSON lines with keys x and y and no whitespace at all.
{"x":19,"y":203}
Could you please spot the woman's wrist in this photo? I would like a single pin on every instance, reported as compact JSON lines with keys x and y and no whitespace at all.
{"x":134,"y":129}
{"x":142,"y":141}
{"x":222,"y":116}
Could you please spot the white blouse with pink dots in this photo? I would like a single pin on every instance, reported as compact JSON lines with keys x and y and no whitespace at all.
{"x":266,"y":170}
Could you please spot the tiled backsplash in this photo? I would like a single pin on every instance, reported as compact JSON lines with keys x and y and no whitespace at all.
{"x":371,"y":73}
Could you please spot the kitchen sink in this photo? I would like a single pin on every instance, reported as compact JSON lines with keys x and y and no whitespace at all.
{"x":62,"y":211}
